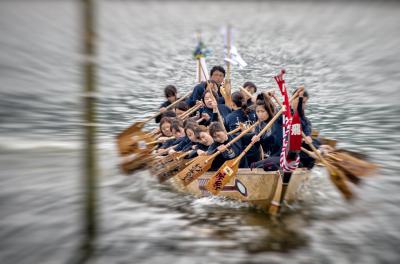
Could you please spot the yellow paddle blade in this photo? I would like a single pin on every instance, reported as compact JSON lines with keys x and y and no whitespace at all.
{"x":227,"y":171}
{"x":195,"y":169}
{"x":338,"y":178}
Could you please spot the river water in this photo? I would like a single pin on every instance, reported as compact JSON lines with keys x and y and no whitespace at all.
{"x":346,"y":54}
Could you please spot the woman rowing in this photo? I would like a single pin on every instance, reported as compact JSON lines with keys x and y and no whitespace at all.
{"x":252,"y":89}
{"x":171,"y":94}
{"x":209,"y":111}
{"x":270,"y":141}
{"x":221,"y":139}
{"x":190,"y":138}
{"x":241,"y":112}
{"x":300,"y":105}
{"x":203,"y":142}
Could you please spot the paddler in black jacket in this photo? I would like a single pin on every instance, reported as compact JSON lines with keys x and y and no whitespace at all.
{"x":217,"y":76}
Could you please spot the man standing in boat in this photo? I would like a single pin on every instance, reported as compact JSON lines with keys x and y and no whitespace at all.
{"x":217,"y":76}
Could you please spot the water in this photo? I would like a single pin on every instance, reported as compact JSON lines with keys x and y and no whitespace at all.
{"x":346,"y":54}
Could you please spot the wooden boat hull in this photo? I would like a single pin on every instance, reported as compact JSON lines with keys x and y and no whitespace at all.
{"x":265,"y":190}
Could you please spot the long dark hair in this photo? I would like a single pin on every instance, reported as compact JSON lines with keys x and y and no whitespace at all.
{"x":267,"y":104}
{"x":214,"y":128}
{"x":165,"y":120}
{"x":306,"y":95}
{"x":239,"y":101}
{"x":213,"y":93}
{"x":191,"y":125}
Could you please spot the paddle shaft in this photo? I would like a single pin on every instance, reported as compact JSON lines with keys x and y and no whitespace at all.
{"x":228,"y":49}
{"x":157,"y":141}
{"x":246,"y":92}
{"x":199,"y":120}
{"x":316,"y":152}
{"x":168,"y":165}
{"x":184,"y":154}
{"x":249,"y":94}
{"x":234,"y":131}
{"x":168,"y":107}
{"x":189,"y":111}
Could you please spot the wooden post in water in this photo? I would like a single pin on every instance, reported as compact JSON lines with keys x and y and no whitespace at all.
{"x":90,"y":166}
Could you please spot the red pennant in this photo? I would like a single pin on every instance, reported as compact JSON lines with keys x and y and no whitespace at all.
{"x":295,"y":134}
{"x":282,"y":86}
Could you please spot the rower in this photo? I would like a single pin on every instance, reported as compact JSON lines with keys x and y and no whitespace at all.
{"x":209,"y":111}
{"x":189,"y":139}
{"x":252,"y":89}
{"x":217,"y":74}
{"x":241,"y":112}
{"x":270,"y":141}
{"x":181,"y":108}
{"x":171,"y":94}
{"x":221,"y":139}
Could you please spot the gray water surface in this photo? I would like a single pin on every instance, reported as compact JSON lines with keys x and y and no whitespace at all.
{"x":346,"y":54}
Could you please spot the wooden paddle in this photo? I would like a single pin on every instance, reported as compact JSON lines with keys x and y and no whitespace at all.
{"x":155,"y":142}
{"x":160,"y":161}
{"x":137,"y":141}
{"x":167,"y":167}
{"x":351,"y":166}
{"x":230,"y":168}
{"x":136,"y":146}
{"x":190,"y":111}
{"x":135,"y":161}
{"x":173,"y":167}
{"x":336,"y":175}
{"x":201,"y":164}
{"x":131,"y":135}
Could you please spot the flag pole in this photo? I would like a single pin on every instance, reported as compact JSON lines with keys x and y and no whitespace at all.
{"x":198,"y":59}
{"x":228,"y":48}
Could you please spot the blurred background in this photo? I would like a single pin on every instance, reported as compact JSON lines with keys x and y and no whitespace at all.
{"x":346,"y":54}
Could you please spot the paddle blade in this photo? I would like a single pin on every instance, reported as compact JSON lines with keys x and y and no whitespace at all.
{"x":170,"y":170}
{"x":328,"y":141}
{"x":133,"y":162}
{"x":133,"y":139}
{"x":227,"y":171}
{"x":195,"y":169}
{"x":355,"y":165}
{"x":338,"y":178}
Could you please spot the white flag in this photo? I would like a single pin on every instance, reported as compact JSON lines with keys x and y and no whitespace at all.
{"x":235,"y":58}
